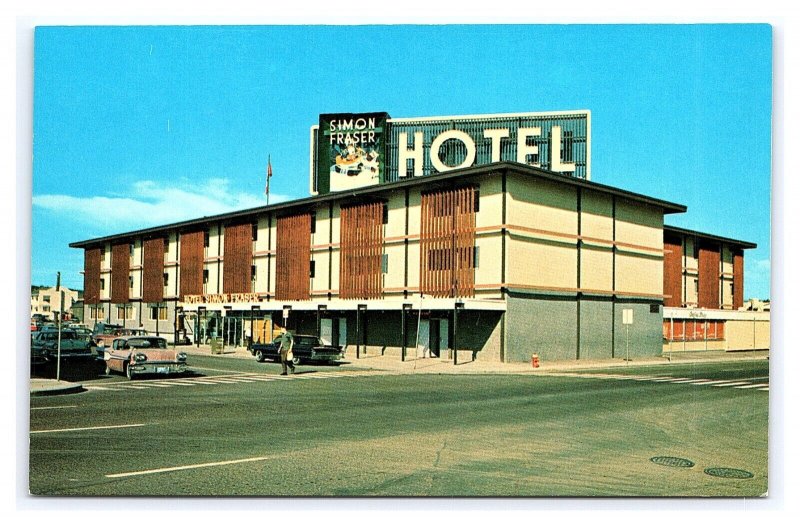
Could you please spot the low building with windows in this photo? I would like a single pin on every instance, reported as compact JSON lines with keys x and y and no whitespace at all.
{"x":474,"y":238}
{"x":47,"y":302}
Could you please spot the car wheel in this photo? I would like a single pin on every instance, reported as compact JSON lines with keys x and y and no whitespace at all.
{"x":128,"y":371}
{"x":295,"y":361}
{"x":259,"y":356}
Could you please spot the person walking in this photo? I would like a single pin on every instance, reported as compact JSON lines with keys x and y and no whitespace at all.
{"x":287,"y":342}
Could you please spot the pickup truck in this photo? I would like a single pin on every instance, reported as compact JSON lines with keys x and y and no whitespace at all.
{"x":306,"y":349}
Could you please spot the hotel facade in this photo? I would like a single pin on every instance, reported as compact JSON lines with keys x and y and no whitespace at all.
{"x":463,"y":238}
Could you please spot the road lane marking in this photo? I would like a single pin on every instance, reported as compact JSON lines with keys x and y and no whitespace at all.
{"x":85,"y":428}
{"x":751,"y":386}
{"x":53,"y":407}
{"x":730,"y":384}
{"x":98,"y":388}
{"x":763,"y":389}
{"x":710,"y":382}
{"x":191,"y":466}
{"x":671,"y":379}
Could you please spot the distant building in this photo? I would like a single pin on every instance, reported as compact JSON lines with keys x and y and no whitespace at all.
{"x":45,"y":301}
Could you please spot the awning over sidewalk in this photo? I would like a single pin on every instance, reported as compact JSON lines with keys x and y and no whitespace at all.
{"x":414,"y":304}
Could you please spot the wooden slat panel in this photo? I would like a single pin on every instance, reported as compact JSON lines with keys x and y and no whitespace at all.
{"x":153,"y":271}
{"x":191,"y":263}
{"x":447,"y":241}
{"x":293,"y":258}
{"x":708,"y":276}
{"x":360,"y":272}
{"x":238,"y":258}
{"x":120,"y":272}
{"x":738,"y":278}
{"x":673,"y":272}
{"x":91,"y":276}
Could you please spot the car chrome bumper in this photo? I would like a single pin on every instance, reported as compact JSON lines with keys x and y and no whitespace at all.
{"x":158,"y":368}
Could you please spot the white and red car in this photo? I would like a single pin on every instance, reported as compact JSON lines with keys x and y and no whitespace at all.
{"x":136,"y":355}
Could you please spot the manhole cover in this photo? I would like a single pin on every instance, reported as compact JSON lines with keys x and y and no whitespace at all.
{"x":728,"y":473}
{"x":673,"y":462}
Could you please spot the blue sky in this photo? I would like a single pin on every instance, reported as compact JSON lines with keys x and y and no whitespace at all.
{"x":142,"y":126}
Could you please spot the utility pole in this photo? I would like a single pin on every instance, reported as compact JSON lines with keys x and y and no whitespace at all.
{"x":60,"y":308}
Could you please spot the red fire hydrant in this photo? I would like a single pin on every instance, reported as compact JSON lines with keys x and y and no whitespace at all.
{"x":534,"y":360}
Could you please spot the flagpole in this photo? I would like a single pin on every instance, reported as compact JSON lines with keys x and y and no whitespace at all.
{"x":269,"y":176}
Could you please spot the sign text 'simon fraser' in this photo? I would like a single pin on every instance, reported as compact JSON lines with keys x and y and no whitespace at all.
{"x":244,"y":297}
{"x":414,"y":152}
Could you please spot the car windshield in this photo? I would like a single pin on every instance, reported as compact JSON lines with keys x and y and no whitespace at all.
{"x":147,"y":343}
{"x":307,"y":340}
{"x":65,"y":335}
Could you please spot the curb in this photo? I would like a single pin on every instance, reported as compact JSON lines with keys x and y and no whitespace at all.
{"x":57,"y":389}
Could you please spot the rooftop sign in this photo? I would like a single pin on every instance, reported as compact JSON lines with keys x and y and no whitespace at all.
{"x":352,"y":150}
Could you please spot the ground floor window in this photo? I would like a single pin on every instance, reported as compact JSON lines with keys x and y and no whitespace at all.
{"x":126,"y":312}
{"x":158,"y":312}
{"x":693,"y":330}
{"x":97,"y":312}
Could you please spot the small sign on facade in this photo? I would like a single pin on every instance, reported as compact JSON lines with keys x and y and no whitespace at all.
{"x":627,"y":316}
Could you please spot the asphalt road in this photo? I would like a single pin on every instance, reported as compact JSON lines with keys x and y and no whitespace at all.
{"x":234,"y":427}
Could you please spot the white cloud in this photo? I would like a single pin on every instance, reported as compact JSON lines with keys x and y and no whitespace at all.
{"x":150,"y":203}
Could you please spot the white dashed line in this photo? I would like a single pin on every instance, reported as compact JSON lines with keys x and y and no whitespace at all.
{"x":751,"y":386}
{"x":85,"y":428}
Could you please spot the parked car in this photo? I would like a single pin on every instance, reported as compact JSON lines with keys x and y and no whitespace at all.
{"x":135,"y":355}
{"x":44,"y":346}
{"x":306,"y":349}
{"x":105,"y":333}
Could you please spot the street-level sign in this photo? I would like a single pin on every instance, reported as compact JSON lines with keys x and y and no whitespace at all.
{"x":627,"y":316}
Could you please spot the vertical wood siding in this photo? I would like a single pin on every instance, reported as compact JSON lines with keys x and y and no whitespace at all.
{"x":191,"y":263}
{"x":447,"y":266}
{"x":673,"y":272}
{"x":238,"y":258}
{"x":293,"y":258}
{"x":738,"y":278}
{"x":120,"y":272}
{"x":708,"y":276}
{"x":360,"y":271}
{"x":91,"y":276}
{"x":153,"y":271}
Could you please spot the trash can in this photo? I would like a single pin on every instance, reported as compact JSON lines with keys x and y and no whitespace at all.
{"x":216,"y":345}
{"x":534,"y":360}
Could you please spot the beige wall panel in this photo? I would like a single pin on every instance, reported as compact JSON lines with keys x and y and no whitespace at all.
{"x":690,"y":261}
{"x":743,"y":335}
{"x":397,"y":216}
{"x":543,"y":205}
{"x":413,"y":265}
{"x":136,"y":291}
{"x":490,"y":259}
{"x":414,"y":212}
{"x":727,"y":259}
{"x":641,"y":275}
{"x":396,"y":258}
{"x":335,"y":268}
{"x":596,"y":269}
{"x":727,"y":296}
{"x":639,"y":224}
{"x":538,"y":264}
{"x":136,"y":258}
{"x":490,"y":205}
{"x":596,"y":220}
{"x":172,"y":281}
{"x":261,"y":244}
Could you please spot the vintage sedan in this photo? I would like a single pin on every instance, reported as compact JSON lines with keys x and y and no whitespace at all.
{"x":306,"y":349}
{"x":45,"y":345}
{"x":136,"y":355}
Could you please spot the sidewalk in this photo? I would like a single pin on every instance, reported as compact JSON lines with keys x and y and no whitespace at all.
{"x":377,"y":362}
{"x":393,"y":364}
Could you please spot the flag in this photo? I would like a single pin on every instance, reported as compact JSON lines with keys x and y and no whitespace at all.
{"x":269,"y":175}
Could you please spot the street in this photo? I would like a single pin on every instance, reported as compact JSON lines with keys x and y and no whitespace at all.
{"x":235,"y":427}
